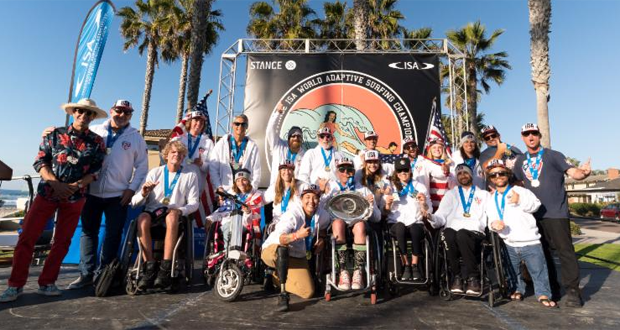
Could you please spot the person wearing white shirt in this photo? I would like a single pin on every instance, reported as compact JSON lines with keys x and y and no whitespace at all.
{"x":418,"y":170}
{"x":469,"y":153}
{"x":372,"y":176}
{"x":233,"y":152}
{"x":462,"y":212}
{"x":171,"y":189}
{"x":511,"y":214}
{"x":319,"y":163}
{"x":284,"y":192}
{"x":344,"y":183}
{"x":406,"y":208}
{"x":280,"y":149}
{"x":371,"y":138}
{"x":292,"y":242}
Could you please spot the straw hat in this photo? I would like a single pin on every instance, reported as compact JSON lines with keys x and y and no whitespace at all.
{"x":84,"y":104}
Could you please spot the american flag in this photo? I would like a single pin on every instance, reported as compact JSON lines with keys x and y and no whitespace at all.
{"x":436,"y":130}
{"x":207,"y":197}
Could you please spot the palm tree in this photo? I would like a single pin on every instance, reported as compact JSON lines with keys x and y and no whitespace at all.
{"x":418,"y":35}
{"x":178,"y":44}
{"x":335,"y":25}
{"x":540,"y":20}
{"x":384,"y":21}
{"x":294,"y":20}
{"x":361,"y":27}
{"x":481,"y":67}
{"x":201,"y":10}
{"x":145,"y":28}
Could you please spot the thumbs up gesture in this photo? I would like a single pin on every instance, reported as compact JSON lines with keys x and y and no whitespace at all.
{"x":303,"y":232}
{"x":514,"y":199}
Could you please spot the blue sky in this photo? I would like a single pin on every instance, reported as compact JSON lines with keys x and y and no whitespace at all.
{"x":37,"y":40}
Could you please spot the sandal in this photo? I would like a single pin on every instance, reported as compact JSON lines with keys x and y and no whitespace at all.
{"x":547,"y":303}
{"x":516,"y":296}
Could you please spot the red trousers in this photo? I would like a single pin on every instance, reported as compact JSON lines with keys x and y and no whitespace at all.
{"x":32,"y":228}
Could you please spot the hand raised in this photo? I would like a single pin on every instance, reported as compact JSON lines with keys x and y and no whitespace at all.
{"x":514,"y":199}
{"x":303,"y":232}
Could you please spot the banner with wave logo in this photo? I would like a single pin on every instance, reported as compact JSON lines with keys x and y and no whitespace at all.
{"x":91,"y":42}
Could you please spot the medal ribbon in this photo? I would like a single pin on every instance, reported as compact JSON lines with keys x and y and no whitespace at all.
{"x":408,"y":190}
{"x":308,"y":239}
{"x":471,"y":163}
{"x":291,"y":156}
{"x":192,"y":148}
{"x":467,"y":206}
{"x":169,"y":188}
{"x":500,"y":209}
{"x":535,"y":169}
{"x":285,"y":199}
{"x":113,"y":137}
{"x":350,"y":185}
{"x":413,"y":164}
{"x":327,"y":160}
{"x":237,"y":152}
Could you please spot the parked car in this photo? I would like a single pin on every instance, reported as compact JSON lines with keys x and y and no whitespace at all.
{"x":611,"y":212}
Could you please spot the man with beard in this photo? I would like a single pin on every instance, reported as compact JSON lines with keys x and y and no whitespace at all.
{"x":542,"y":170}
{"x":461,"y":211}
{"x":280,"y":149}
{"x":319,"y":163}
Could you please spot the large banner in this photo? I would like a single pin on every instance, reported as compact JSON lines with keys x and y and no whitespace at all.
{"x":391,"y":94}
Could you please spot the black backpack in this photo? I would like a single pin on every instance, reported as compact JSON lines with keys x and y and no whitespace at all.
{"x":108,"y":278}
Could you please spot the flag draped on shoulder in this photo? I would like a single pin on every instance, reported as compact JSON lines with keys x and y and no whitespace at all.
{"x":207,"y":196}
{"x":436,"y":130}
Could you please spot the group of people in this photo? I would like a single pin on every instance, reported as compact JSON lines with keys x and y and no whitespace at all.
{"x":90,"y":171}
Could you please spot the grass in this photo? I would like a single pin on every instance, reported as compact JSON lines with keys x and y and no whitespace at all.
{"x":609,"y":252}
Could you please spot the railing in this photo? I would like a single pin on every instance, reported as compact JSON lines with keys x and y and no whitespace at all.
{"x":28,"y":179}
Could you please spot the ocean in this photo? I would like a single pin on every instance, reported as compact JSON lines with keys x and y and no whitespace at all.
{"x":10,"y":197}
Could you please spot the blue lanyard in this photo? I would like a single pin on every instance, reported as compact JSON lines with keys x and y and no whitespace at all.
{"x":534,"y":171}
{"x":242,"y":197}
{"x":169,"y":188}
{"x":413,"y":164}
{"x":500,"y":209}
{"x":192,"y":148}
{"x":290,"y":156}
{"x":285,"y":199}
{"x":237,"y":151}
{"x":350,"y":185}
{"x":408,"y":190}
{"x":113,"y":137}
{"x":467,"y":206}
{"x":471,"y":163}
{"x":309,"y":237}
{"x":327,"y":160}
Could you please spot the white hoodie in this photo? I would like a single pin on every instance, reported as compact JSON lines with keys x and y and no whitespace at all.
{"x":313,"y":165}
{"x":520,"y":225}
{"x":203,"y":150}
{"x":125,"y":167}
{"x":219,"y":167}
{"x":450,"y":211}
{"x":278,"y":148}
{"x":184,"y":195}
{"x":406,"y":209}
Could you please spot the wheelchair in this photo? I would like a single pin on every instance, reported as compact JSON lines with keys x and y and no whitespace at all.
{"x":393,"y":265}
{"x":493,"y":274}
{"x":231,"y":262}
{"x":372,"y":270}
{"x":132,"y":261}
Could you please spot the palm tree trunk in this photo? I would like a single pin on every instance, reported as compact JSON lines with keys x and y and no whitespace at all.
{"x":360,"y":23}
{"x":199,"y":26}
{"x":472,"y":98}
{"x":182,"y":86}
{"x":148,"y":84}
{"x":540,"y":20}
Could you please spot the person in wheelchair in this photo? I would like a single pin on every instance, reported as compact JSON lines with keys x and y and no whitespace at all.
{"x":253,"y":198}
{"x":345,"y":182}
{"x":406,"y":209}
{"x":512,"y":209}
{"x":284,"y":192}
{"x":300,"y":232}
{"x":462,"y":212}
{"x":166,"y":199}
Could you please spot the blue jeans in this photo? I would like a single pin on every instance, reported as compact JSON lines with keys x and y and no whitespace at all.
{"x":115,"y":216}
{"x":534,"y":258}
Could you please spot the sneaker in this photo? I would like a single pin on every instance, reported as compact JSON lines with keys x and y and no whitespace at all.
{"x":81,"y":282}
{"x":407,"y":273}
{"x":282,"y":305}
{"x":163,"y":279}
{"x":148,"y":276}
{"x":268,"y":285}
{"x":345,"y":281}
{"x":473,"y":286}
{"x":49,"y":290}
{"x":573,"y":299}
{"x":416,"y":274}
{"x":11,"y":293}
{"x":358,"y":280}
{"x":457,"y":285}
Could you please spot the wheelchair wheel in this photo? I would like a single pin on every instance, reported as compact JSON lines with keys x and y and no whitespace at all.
{"x":189,"y":252}
{"x":128,"y":249}
{"x":499,"y":256}
{"x":441,"y":272}
{"x":229,"y":282}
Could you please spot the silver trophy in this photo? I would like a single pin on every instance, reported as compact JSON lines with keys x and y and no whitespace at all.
{"x":349,"y":206}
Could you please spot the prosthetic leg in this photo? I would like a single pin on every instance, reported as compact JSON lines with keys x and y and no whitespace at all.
{"x":282,"y":269}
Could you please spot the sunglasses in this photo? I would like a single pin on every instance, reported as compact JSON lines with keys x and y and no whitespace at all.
{"x":127,"y":112}
{"x":404,"y":170}
{"x":236,"y":123}
{"x":346,"y":169}
{"x":325,"y":136}
{"x":490,"y":137}
{"x":85,"y":111}
{"x":526,"y":134}
{"x":410,"y":146}
{"x":498,"y":174}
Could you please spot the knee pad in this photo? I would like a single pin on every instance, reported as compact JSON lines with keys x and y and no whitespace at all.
{"x":282,"y":263}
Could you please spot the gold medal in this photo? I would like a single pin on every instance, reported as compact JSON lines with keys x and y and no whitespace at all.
{"x":467,"y":215}
{"x":235,"y":166}
{"x":165,"y":201}
{"x":308,"y":255}
{"x":327,"y":169}
{"x":108,"y":150}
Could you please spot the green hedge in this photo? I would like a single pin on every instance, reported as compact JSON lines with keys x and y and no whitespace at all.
{"x":585,"y":209}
